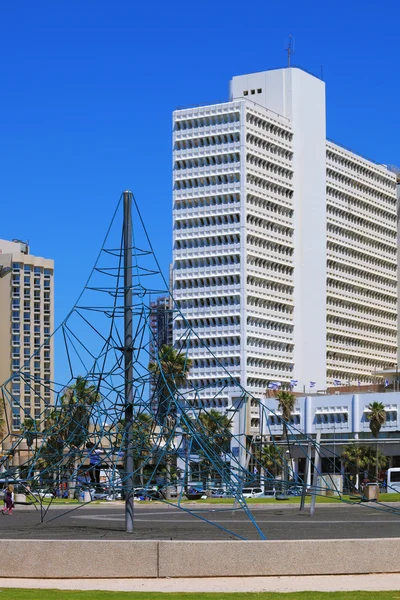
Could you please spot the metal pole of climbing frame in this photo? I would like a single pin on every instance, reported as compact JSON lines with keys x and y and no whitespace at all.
{"x":317,"y":466}
{"x":128,"y":362}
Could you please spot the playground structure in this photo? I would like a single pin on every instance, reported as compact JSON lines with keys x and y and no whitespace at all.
{"x":126,"y":412}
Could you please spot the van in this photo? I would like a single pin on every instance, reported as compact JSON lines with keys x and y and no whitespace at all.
{"x":252,"y":492}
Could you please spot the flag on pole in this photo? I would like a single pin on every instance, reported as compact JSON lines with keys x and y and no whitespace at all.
{"x":255,"y":470}
{"x":312,"y":384}
{"x":337,"y":382}
{"x":274,"y":385}
{"x":358,"y":382}
{"x":386,"y":382}
{"x":293,"y":382}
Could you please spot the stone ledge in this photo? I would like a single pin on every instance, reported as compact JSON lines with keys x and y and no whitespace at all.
{"x":78,"y":559}
{"x":295,"y":557}
{"x":109,"y":559}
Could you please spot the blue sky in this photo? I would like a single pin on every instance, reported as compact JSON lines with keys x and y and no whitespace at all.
{"x":88,"y":88}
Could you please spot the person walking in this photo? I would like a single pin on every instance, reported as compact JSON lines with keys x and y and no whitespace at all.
{"x":8,"y":500}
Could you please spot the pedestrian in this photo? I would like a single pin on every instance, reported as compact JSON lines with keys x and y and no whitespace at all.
{"x":9,"y":500}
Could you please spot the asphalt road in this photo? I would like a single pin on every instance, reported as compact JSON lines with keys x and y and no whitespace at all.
{"x":169,"y":523}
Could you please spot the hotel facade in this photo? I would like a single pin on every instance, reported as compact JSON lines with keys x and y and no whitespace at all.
{"x":284,"y":243}
{"x":26,"y":322}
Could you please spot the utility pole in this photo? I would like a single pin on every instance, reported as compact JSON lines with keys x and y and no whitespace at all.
{"x":317,"y":461}
{"x":128,"y":362}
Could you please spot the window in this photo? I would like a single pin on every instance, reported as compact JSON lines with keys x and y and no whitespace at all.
{"x":27,"y":280}
{"x":16,"y":266}
{"x":47,"y":271}
{"x":253,"y":92}
{"x":27,"y":268}
{"x":259,"y":91}
{"x":37,"y":270}
{"x":15,"y":314}
{"x":245,"y":93}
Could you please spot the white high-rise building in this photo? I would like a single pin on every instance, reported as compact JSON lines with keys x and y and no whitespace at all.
{"x":285,"y":252}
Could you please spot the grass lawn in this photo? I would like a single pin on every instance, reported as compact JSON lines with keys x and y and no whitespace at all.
{"x":290,"y":500}
{"x":20,"y":594}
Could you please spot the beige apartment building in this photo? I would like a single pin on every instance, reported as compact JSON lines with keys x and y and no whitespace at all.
{"x":26,"y":322}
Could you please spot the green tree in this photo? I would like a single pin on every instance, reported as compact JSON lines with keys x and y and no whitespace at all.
{"x":31,"y":429}
{"x":286,"y":403}
{"x":213,"y":430}
{"x":67,"y":428}
{"x":143,"y":432}
{"x":170,"y":371}
{"x":362,"y":458}
{"x":272,"y":459}
{"x":377,"y":418}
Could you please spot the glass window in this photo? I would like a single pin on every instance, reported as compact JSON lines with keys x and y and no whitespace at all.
{"x":37,"y":270}
{"x":16,"y":266}
{"x":37,"y":329}
{"x":47,"y":271}
{"x":27,"y":268}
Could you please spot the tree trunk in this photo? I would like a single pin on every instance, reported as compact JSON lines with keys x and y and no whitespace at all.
{"x":168,"y":477}
{"x":141,"y":475}
{"x":72,"y":486}
{"x":376,"y":464}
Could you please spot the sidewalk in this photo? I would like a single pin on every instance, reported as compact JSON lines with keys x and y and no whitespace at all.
{"x":325,"y":583}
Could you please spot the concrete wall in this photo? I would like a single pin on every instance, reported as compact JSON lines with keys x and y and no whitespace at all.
{"x":134,"y":559}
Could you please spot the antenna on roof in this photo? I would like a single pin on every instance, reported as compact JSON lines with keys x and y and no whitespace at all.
{"x":290,"y":49}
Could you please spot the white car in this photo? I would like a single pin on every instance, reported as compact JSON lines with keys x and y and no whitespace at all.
{"x":252,"y":492}
{"x":43,"y":494}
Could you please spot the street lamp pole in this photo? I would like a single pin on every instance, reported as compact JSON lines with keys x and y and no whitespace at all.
{"x":128,"y":363}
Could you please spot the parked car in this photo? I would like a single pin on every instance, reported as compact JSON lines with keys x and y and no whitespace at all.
{"x":295,"y":490}
{"x":42,"y":494}
{"x":218,"y":493}
{"x":252,"y":492}
{"x":145,"y":493}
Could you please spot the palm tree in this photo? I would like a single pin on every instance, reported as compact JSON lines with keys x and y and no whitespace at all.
{"x":68,"y":426}
{"x":355,"y":458}
{"x":143,"y":430}
{"x":170,"y":369}
{"x":377,"y":418}
{"x":30,"y":429}
{"x":286,"y":403}
{"x":272,"y":459}
{"x":213,"y":429}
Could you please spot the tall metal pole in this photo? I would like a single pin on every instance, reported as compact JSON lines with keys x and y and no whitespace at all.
{"x":317,"y":462}
{"x":128,"y":355}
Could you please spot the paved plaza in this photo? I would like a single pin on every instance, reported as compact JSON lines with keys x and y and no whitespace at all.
{"x":161,"y":522}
